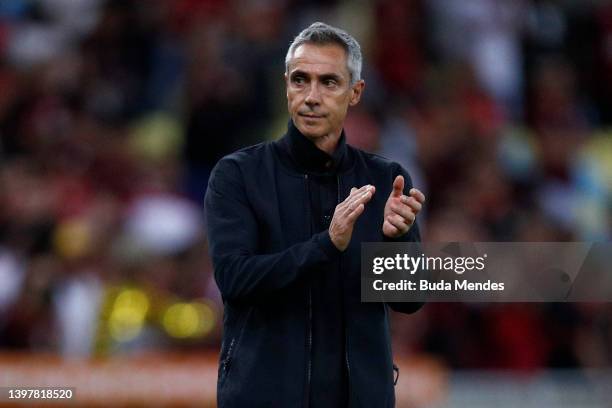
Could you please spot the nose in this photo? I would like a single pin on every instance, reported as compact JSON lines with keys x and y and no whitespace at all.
{"x":314,"y":97}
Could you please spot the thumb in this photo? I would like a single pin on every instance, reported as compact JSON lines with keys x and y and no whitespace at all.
{"x":398,"y":186}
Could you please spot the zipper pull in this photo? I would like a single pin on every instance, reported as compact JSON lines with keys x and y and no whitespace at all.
{"x":228,"y":357}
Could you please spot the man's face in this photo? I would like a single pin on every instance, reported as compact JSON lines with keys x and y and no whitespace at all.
{"x":318,"y":89}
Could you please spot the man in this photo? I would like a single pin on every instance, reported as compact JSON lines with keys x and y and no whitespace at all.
{"x":285,"y":222}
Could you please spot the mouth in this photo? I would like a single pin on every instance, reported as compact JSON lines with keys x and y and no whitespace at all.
{"x":311,"y":116}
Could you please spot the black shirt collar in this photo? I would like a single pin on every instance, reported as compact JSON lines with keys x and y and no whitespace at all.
{"x":308,"y":157}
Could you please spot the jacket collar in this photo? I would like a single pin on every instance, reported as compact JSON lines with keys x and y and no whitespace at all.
{"x":307,"y":157}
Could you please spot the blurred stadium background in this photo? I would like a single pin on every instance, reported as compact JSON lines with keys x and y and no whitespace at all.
{"x":112,"y":114}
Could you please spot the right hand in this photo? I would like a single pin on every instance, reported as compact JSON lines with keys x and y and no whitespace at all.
{"x":346,"y":213}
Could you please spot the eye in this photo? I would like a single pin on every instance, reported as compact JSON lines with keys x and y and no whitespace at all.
{"x":298,"y":80}
{"x":330,"y":82}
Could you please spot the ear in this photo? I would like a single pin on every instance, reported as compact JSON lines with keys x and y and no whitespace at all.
{"x":286,"y":77}
{"x":356,"y":91}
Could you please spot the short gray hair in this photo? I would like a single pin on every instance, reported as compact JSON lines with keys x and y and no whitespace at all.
{"x":322,"y":34}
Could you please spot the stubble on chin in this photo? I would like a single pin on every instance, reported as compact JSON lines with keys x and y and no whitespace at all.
{"x":311,"y":132}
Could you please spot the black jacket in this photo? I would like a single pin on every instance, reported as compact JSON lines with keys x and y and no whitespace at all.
{"x":264,"y":256}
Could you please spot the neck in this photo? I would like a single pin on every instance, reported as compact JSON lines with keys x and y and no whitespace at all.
{"x":327,"y":143}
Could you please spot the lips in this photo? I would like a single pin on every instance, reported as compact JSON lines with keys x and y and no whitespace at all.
{"x":311,"y":116}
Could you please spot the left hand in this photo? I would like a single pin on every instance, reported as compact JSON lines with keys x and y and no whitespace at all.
{"x":400,"y":210}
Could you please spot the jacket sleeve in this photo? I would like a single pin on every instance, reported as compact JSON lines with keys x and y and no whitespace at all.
{"x":413,"y":235}
{"x":240,"y":271}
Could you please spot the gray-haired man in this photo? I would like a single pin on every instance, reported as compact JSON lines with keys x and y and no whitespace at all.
{"x":285,"y":223}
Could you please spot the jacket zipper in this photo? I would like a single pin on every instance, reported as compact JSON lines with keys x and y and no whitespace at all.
{"x":309,"y":345}
{"x":227,"y":361}
{"x":346,"y":356}
{"x":228,"y":356}
{"x":309,"y":366}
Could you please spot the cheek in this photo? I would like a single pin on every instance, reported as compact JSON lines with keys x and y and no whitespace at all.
{"x":293,"y":101}
{"x":340,"y":107}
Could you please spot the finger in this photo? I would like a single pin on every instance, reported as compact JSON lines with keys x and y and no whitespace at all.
{"x":359,"y":194}
{"x":365,"y":197}
{"x":407,"y":220}
{"x":412,"y":203}
{"x":398,"y":222}
{"x":348,"y":200}
{"x":355,"y":213}
{"x":398,"y":186}
{"x":357,"y":191}
{"x":416,"y":193}
{"x":357,"y":200}
{"x":404,"y":211}
{"x":390,"y":228}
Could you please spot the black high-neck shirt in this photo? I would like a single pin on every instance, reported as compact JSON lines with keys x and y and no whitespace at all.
{"x":328,"y":375}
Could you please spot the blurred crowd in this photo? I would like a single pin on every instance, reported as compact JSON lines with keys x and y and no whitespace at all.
{"x":113,"y":113}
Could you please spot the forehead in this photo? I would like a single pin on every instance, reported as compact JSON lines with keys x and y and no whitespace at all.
{"x":319,"y":59}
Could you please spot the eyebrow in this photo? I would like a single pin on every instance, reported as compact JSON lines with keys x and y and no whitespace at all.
{"x":335,"y":77}
{"x":322,"y":77}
